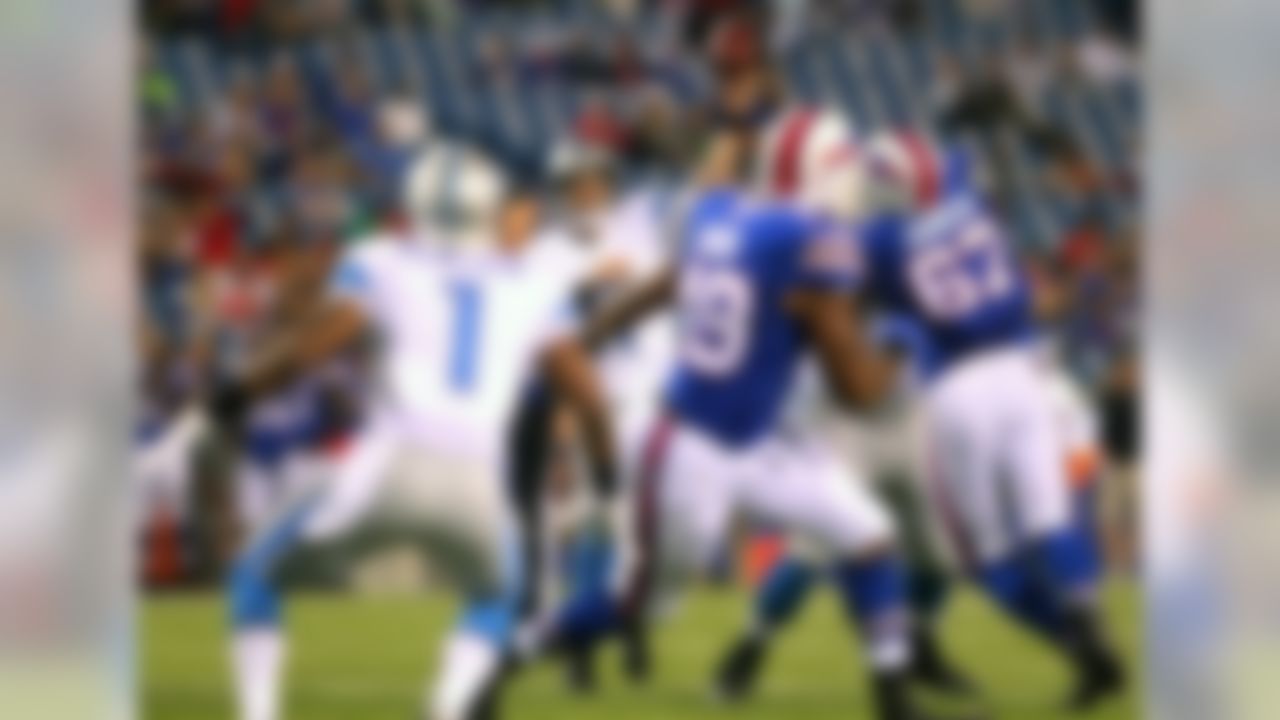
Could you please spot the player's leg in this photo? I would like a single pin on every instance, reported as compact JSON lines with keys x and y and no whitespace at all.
{"x":779,"y":598}
{"x":1057,"y":545}
{"x":585,"y":562}
{"x":889,"y":447}
{"x":592,"y":611}
{"x":999,"y":481}
{"x":538,"y":473}
{"x":803,"y":486}
{"x":680,"y":510}
{"x":454,"y":507}
{"x":474,"y":657}
{"x":314,"y":509}
{"x":529,"y":470}
{"x":929,"y":582}
{"x":1084,"y":505}
{"x":972,"y":490}
{"x":276,"y":523}
{"x":783,"y":593}
{"x":635,"y":653}
{"x":258,"y":642}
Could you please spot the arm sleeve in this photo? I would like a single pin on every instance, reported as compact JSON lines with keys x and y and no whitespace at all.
{"x":680,"y":213}
{"x":352,"y":280}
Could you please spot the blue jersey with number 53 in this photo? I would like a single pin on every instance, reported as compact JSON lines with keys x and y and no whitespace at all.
{"x":951,"y":271}
{"x":738,"y":346}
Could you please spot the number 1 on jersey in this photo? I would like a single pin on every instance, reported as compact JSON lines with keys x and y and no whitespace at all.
{"x":464,"y":341}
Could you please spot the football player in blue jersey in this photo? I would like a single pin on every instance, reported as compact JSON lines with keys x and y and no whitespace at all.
{"x":762,"y":283}
{"x":938,"y":256}
{"x":892,"y":466}
{"x":938,"y":264}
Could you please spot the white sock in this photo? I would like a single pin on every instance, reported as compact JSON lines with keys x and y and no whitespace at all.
{"x":887,"y":641}
{"x":257,"y":658}
{"x":468,"y":666}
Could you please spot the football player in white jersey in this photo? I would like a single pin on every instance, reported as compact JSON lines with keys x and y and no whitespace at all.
{"x":463,"y":325}
{"x":604,"y":244}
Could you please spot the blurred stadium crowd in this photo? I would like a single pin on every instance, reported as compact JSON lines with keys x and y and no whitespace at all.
{"x":273,"y":132}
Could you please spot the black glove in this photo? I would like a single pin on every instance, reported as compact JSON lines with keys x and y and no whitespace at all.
{"x":228,"y":404}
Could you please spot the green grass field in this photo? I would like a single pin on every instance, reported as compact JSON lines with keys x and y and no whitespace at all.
{"x":367,"y":659}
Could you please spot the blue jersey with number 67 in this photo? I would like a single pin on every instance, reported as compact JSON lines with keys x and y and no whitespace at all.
{"x":952,"y":272}
{"x":738,"y":346}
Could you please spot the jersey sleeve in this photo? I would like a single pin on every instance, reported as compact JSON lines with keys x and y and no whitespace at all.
{"x":353,"y":278}
{"x":557,"y":256}
{"x":685,"y":213}
{"x":558,"y":315}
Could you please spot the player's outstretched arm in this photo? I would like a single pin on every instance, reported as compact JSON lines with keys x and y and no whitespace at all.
{"x":332,"y":326}
{"x":568,"y":367}
{"x":618,"y":317}
{"x":859,"y":373}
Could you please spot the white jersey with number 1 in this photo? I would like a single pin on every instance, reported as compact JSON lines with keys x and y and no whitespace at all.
{"x":459,"y":334}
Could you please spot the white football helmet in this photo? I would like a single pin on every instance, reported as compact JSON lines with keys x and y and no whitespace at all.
{"x":453,"y":194}
{"x":812,"y":156}
{"x":905,"y":170}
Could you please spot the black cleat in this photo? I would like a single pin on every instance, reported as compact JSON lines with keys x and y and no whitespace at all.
{"x":637,"y":662}
{"x":932,"y":668}
{"x":1103,"y":679}
{"x":580,"y":670}
{"x":1099,"y":671}
{"x":740,"y":669}
{"x":893,"y":702}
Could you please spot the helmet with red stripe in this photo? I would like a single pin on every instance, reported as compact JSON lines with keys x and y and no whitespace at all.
{"x":811,"y":156}
{"x":906,"y":170}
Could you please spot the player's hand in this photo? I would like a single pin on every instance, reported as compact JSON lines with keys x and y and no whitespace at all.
{"x":228,"y":404}
{"x":612,"y":270}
